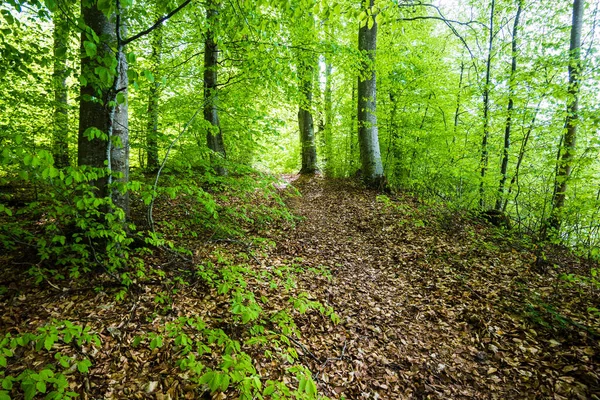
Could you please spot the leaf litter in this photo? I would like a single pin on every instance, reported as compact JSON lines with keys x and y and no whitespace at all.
{"x":430,"y":305}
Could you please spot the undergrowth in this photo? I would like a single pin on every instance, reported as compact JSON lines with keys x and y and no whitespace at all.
{"x":77,"y":235}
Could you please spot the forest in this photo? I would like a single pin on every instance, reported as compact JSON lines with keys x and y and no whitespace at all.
{"x":299,"y":199}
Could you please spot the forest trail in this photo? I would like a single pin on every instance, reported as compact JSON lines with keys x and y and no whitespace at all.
{"x":430,"y":308}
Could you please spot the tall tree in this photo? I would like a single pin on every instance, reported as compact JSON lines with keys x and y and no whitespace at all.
{"x":156,"y":39}
{"x":368,"y":137}
{"x":567,"y":150}
{"x":214,"y":135}
{"x":103,"y":120}
{"x":509,"y":110}
{"x":60,"y":136}
{"x":328,"y":131}
{"x":486,"y":109}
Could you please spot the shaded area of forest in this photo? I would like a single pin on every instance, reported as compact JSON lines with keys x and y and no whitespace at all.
{"x":379,"y":296}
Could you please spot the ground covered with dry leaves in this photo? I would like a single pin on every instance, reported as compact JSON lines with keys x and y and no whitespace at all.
{"x":387,"y":297}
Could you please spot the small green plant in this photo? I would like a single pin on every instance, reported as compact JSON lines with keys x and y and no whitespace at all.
{"x":51,"y":380}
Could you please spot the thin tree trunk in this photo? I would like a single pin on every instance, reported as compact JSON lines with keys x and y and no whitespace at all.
{"x":511,"y":90}
{"x":418,"y":138}
{"x":565,"y":163}
{"x":486,"y":110}
{"x":353,"y":130}
{"x":458,"y":102}
{"x":368,"y":139}
{"x":521,"y":155}
{"x":328,"y":132}
{"x":60,"y":137}
{"x":214,"y":135}
{"x":156,"y":39}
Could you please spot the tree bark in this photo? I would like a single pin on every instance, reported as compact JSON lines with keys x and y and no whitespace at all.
{"x":328,"y":132}
{"x":509,"y":110}
{"x":305,"y":118}
{"x":565,"y":163}
{"x":60,"y":137}
{"x":156,"y":39}
{"x":353,"y":132}
{"x":370,"y":153}
{"x":214,"y":135}
{"x":486,"y":111}
{"x":104,"y":107}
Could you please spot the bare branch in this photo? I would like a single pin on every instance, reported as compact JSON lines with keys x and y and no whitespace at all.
{"x":156,"y":24}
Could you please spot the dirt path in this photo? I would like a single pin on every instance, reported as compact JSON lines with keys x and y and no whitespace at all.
{"x":426,"y":313}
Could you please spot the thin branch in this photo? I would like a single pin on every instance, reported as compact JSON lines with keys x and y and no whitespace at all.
{"x":156,"y":24}
{"x":448,"y":22}
{"x":162,"y":165}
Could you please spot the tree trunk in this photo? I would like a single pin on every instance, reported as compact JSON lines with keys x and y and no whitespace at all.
{"x":156,"y":39}
{"x":486,"y":110}
{"x":353,"y":132}
{"x":103,"y":106}
{"x":509,"y":110}
{"x":565,"y":163}
{"x":60,"y":137}
{"x":214,"y":135}
{"x":328,"y":132}
{"x":458,"y":105}
{"x":119,"y":136}
{"x":368,"y":139}
{"x":305,"y":119}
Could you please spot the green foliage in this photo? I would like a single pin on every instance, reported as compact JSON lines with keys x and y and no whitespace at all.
{"x":75,"y":230}
{"x":51,"y":380}
{"x":195,"y":345}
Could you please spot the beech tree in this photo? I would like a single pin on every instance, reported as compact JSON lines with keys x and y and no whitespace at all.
{"x":486,"y":108}
{"x":103,"y":139}
{"x":368,"y":137}
{"x":510,"y":106}
{"x":568,"y":140}
{"x":214,"y":135}
{"x":156,"y":43}
{"x":60,"y":142}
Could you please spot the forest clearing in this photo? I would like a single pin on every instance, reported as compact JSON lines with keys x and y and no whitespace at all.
{"x":299,"y":199}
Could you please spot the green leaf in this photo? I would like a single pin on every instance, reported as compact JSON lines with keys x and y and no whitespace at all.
{"x":48,"y":342}
{"x":120,"y":98}
{"x":224,"y":382}
{"x":149,"y":75}
{"x":90,"y":48}
{"x":29,"y":389}
{"x":4,"y":395}
{"x":84,"y":365}
{"x":311,"y":387}
{"x":41,"y":386}
{"x":269,"y":390}
{"x":7,"y":383}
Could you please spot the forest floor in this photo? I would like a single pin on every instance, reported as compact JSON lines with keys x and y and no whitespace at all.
{"x":431,"y":304}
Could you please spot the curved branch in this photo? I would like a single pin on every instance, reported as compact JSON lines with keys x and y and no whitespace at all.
{"x":157,"y":23}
